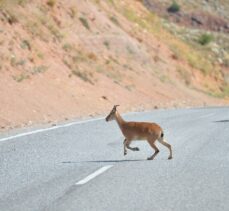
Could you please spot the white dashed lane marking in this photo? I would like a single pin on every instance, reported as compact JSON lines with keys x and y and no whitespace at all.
{"x":93,"y":175}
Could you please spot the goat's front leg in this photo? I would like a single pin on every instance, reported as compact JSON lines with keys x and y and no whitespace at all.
{"x":131,"y":148}
{"x":124,"y":145}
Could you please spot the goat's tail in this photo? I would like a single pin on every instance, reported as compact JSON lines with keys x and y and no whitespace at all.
{"x":162,"y":134}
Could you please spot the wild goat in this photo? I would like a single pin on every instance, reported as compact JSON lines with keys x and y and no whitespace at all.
{"x":139,"y":131}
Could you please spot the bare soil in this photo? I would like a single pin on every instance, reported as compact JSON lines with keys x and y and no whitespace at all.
{"x":55,"y":67}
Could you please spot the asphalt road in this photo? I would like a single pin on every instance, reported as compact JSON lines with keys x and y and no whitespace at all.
{"x":40,"y":170}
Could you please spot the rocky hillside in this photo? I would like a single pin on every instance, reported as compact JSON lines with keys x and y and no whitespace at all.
{"x":66,"y":59}
{"x":202,"y":24}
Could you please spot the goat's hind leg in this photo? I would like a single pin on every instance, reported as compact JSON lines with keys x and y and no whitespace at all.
{"x":151,"y":142}
{"x":163,"y":142}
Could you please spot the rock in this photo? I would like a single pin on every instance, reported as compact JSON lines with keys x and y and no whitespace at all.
{"x":196,"y":20}
{"x":226,"y":26}
{"x":220,"y":60}
{"x":104,"y":97}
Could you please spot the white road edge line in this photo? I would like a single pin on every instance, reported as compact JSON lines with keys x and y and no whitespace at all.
{"x":207,"y":115}
{"x":93,"y":175}
{"x":48,"y":129}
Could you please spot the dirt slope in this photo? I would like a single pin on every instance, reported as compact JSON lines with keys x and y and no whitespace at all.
{"x":65,"y":59}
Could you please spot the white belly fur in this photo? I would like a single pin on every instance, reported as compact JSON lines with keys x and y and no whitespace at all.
{"x":136,"y":138}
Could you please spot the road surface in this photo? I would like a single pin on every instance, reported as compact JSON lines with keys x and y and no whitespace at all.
{"x":80,"y":165}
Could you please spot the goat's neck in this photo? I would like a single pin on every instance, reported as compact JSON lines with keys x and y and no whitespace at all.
{"x":119,"y":120}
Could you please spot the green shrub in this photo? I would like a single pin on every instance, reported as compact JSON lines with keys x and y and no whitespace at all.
{"x":84,"y":22}
{"x":67,"y":47}
{"x":114,"y":20}
{"x":107,"y":44}
{"x":175,"y":7}
{"x":25,"y":44}
{"x":205,"y":39}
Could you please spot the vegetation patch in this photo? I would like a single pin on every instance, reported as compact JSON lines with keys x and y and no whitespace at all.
{"x":9,"y":16}
{"x":35,"y":28}
{"x":130,"y":50}
{"x":49,"y":23}
{"x":183,"y":51}
{"x":55,"y":31}
{"x":115,"y":20}
{"x":39,"y":69}
{"x":107,"y":44}
{"x":84,"y":22}
{"x":85,"y":76}
{"x":223,"y":93}
{"x":205,"y":39}
{"x":185,"y":75}
{"x":174,"y":7}
{"x":111,"y":2}
{"x":17,"y":62}
{"x":73,"y":12}
{"x":21,"y":77}
{"x":51,"y":3}
{"x":67,"y":47}
{"x":6,"y":3}
{"x":25,"y":44}
{"x":40,"y":55}
{"x":165,"y":79}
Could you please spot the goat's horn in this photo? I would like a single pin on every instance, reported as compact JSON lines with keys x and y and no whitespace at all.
{"x":115,"y":106}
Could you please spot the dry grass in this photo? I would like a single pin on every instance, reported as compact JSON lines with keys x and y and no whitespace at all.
{"x":21,"y":77}
{"x":51,"y":3}
{"x":185,"y":75}
{"x":85,"y":76}
{"x":9,"y":3}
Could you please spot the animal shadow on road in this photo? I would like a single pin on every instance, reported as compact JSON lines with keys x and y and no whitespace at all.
{"x":102,"y":161}
{"x":222,"y":121}
{"x":111,"y":161}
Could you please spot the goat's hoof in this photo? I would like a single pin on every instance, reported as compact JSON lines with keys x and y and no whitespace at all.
{"x":149,"y":158}
{"x":136,"y":149}
{"x":125,"y":153}
{"x":170,"y":157}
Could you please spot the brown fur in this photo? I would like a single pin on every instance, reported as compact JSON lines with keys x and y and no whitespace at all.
{"x":139,"y":131}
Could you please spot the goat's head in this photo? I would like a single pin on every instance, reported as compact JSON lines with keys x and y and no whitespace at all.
{"x":111,"y":115}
